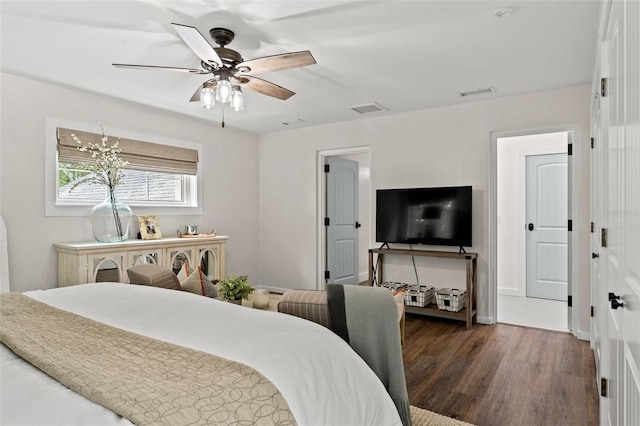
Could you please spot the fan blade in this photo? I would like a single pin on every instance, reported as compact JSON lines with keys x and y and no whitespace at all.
{"x":156,"y":67}
{"x":196,"y":94}
{"x":198,"y":44}
{"x":281,"y":62}
{"x":265,"y":87}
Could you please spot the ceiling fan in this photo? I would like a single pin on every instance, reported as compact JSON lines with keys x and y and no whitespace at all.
{"x":230,"y":71}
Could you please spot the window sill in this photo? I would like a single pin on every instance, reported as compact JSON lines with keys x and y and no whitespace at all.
{"x":83,"y":210}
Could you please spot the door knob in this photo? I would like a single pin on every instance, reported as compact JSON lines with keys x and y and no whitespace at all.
{"x":615,"y":304}
{"x":358,"y":225}
{"x":615,"y":301}
{"x":594,"y":255}
{"x":531,"y":227}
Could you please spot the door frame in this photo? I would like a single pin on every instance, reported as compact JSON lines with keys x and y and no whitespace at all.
{"x":573,"y":241}
{"x":321,"y":205}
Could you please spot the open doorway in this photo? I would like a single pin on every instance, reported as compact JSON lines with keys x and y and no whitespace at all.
{"x":532,"y":210}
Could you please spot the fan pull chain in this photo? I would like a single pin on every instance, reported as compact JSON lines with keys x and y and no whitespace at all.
{"x":223,"y":116}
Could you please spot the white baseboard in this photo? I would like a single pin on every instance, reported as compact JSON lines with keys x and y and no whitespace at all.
{"x":485,"y":320}
{"x":276,"y":289}
{"x":583,"y":335}
{"x":509,"y":292}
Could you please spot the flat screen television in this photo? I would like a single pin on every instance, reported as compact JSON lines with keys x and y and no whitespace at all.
{"x":429,"y":216}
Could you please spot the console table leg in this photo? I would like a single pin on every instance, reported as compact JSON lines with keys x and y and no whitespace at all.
{"x":470,"y":293}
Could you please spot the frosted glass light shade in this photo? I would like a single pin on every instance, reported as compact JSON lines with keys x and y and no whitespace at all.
{"x":207,"y":98}
{"x":223,"y":91}
{"x":237,"y":99}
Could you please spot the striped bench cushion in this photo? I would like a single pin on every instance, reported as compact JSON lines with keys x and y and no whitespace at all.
{"x":307,"y":304}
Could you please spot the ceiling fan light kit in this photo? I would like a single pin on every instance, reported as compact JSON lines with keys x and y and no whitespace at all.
{"x":207,"y":97}
{"x":230,"y":71}
{"x":237,"y":100}
{"x":223,"y":90}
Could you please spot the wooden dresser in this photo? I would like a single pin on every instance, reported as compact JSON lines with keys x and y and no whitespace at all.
{"x":89,"y":262}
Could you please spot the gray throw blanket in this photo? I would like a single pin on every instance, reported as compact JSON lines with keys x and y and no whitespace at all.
{"x":367,"y":318}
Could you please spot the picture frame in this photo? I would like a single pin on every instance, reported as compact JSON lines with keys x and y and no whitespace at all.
{"x":149,"y":227}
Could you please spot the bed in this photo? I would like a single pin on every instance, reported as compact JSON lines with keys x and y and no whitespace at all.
{"x":323,"y":381}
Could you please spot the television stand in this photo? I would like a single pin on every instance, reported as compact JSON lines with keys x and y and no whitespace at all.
{"x":468,"y":313}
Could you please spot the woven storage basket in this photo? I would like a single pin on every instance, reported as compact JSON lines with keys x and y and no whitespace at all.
{"x":394,"y":286}
{"x":418,"y":295}
{"x":450,"y":299}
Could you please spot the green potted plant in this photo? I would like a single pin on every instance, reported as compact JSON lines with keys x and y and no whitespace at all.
{"x":235,"y":288}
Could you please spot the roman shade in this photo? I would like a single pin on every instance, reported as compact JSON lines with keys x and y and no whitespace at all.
{"x":146,"y":156}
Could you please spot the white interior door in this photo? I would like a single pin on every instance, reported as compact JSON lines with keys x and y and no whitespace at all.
{"x":598,"y":292}
{"x":342,"y":221}
{"x":630,"y":156}
{"x":610,"y":234}
{"x":620,"y":254}
{"x":546,"y":207}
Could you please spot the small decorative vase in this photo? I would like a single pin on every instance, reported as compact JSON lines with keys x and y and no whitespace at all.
{"x":261,"y":298}
{"x":110,"y":220}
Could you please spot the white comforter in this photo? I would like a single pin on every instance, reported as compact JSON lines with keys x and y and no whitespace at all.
{"x":321,"y":377}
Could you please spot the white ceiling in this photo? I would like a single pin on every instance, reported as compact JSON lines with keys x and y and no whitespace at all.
{"x":403,"y":55}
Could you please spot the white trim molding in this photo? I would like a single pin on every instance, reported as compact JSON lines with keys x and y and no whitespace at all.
{"x":51,"y":178}
{"x":574,"y":214}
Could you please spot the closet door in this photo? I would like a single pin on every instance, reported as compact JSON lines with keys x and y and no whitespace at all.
{"x":620,"y":233}
{"x":630,"y":221}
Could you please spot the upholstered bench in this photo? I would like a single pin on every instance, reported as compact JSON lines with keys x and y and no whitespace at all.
{"x":312,"y":305}
{"x":307,"y":304}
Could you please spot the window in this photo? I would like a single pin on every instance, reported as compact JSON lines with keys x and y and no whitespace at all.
{"x":157,"y":175}
{"x":162,"y":177}
{"x":138,"y":187}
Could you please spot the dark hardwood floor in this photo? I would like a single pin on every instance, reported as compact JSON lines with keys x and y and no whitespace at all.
{"x":499,"y":375}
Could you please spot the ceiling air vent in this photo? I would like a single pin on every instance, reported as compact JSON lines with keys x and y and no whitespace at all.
{"x":368,"y":108}
{"x":478,"y":91}
{"x":293,"y":122}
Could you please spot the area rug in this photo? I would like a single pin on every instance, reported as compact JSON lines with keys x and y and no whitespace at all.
{"x":421,"y":417}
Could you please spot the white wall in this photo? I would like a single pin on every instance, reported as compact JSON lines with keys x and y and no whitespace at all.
{"x":230,"y":166}
{"x":511,"y":238}
{"x":435,"y":147}
{"x":263,"y":194}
